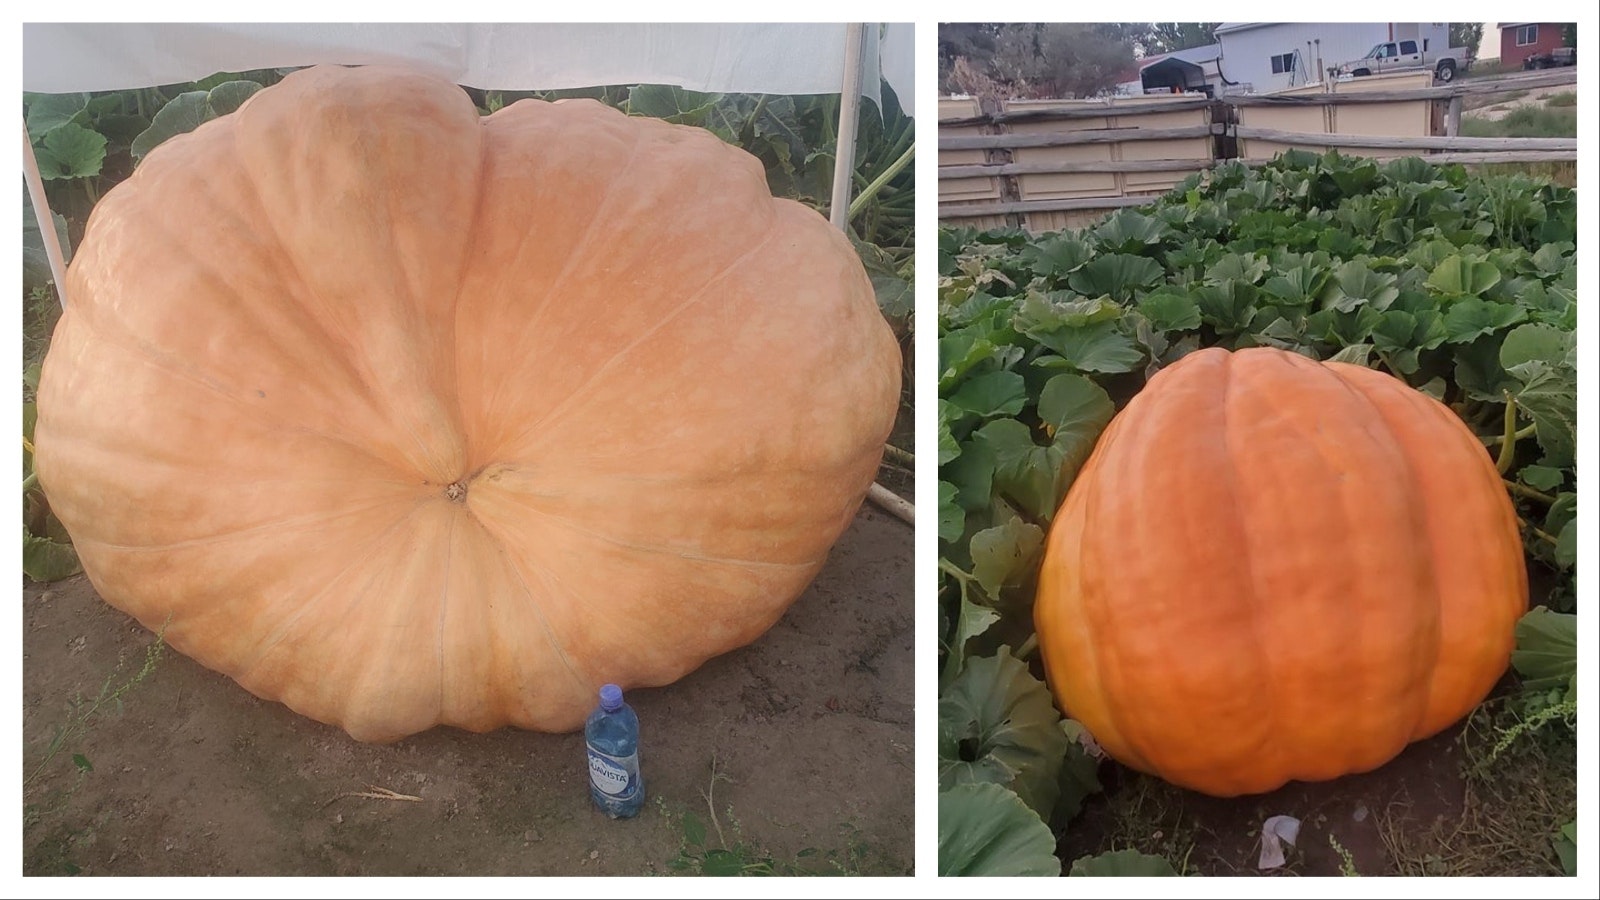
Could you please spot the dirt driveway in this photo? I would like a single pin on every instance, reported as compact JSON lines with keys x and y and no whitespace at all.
{"x":809,"y":730}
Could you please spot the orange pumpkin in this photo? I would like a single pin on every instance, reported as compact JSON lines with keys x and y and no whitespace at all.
{"x":404,"y":416}
{"x":1272,"y":568}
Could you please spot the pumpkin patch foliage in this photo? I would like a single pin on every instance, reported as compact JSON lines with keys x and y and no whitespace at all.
{"x":1461,"y":286}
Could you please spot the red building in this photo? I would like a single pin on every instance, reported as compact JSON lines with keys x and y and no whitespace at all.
{"x":1520,"y":40}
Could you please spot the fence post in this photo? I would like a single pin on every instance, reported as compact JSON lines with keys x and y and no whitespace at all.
{"x":1452,"y":117}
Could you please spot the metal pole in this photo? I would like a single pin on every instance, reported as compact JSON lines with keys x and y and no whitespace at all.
{"x":41,"y":212}
{"x":844,"y":162}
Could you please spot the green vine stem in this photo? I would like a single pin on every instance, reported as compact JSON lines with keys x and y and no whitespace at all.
{"x":1028,"y":646}
{"x":871,"y":190}
{"x":1537,"y":531}
{"x":1528,"y":493}
{"x":1495,"y":440}
{"x":1508,"y":449}
{"x":952,"y":569}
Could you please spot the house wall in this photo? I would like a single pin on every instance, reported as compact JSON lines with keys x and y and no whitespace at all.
{"x":1247,"y":53}
{"x":1549,"y":38}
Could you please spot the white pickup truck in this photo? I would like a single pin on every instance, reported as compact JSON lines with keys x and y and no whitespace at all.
{"x":1396,"y":56}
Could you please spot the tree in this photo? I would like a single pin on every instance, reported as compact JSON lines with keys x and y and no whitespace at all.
{"x":1466,"y":34}
{"x":1034,"y":59}
{"x":1166,"y":37}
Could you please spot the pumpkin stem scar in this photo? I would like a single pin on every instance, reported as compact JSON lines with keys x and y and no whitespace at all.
{"x":457,"y":491}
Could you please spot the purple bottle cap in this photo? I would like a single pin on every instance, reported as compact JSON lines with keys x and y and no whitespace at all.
{"x":610,"y":698}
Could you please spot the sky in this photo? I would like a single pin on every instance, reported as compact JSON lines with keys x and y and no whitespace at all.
{"x":1489,"y":47}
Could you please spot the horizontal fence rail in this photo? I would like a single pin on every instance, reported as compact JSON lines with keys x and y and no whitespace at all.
{"x":1225,"y":136}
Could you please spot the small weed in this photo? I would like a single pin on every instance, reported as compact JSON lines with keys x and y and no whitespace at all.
{"x":1564,"y":98}
{"x":1347,"y":863}
{"x":713,"y":853}
{"x":1525,"y":121}
{"x":83,"y":713}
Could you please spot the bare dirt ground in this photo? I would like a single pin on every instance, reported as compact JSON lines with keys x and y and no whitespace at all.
{"x":1496,"y":107}
{"x":809,"y":730}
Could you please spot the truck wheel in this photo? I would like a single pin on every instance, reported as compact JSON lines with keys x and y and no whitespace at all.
{"x":1447,"y":70}
{"x":1361,"y":73}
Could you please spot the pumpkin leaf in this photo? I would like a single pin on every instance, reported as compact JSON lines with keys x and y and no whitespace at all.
{"x":1547,"y":650}
{"x":1091,"y":348}
{"x":46,"y":112}
{"x":1544,"y":478}
{"x":1023,"y":471}
{"x":1565,"y":843}
{"x":972,"y":621}
{"x":1002,"y":553}
{"x":1355,"y":284}
{"x":181,"y":115}
{"x":1074,"y":411}
{"x":991,"y":394}
{"x":952,"y":518}
{"x":985,"y":829}
{"x":1117,"y":275}
{"x":1055,"y":258}
{"x":998,"y":725}
{"x":1170,"y":311}
{"x":1469,"y":319}
{"x":1129,"y":231}
{"x":44,"y":559}
{"x":1460,"y":275}
{"x":70,"y":150}
{"x":1080,"y":773}
{"x":229,"y":96}
{"x":1122,"y":863}
{"x":35,"y":261}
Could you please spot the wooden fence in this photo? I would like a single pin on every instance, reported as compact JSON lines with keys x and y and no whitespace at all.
{"x":1052,"y":164}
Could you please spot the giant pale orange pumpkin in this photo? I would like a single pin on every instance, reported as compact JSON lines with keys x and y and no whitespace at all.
{"x":1274,"y":569}
{"x":406,"y":417}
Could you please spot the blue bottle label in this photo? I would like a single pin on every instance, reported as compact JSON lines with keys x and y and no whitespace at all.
{"x":614,"y":776}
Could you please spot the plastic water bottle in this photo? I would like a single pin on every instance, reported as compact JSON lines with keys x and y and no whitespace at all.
{"x":612,"y":734}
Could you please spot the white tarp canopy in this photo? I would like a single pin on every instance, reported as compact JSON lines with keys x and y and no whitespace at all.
{"x":760,"y":58}
{"x":763,"y":58}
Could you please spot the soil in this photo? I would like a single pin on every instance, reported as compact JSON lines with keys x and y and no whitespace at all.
{"x":1213,"y":836}
{"x":809,"y":730}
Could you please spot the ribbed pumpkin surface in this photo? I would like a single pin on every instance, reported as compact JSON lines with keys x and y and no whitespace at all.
{"x":1272,"y":568}
{"x":405,"y":417}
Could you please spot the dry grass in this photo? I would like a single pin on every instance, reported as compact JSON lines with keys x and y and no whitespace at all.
{"x":1512,"y":808}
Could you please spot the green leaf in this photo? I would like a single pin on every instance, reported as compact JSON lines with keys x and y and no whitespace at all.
{"x":1055,"y":258}
{"x":1237,"y":267}
{"x":986,"y":830}
{"x":1459,"y":275}
{"x":1549,"y":397}
{"x":70,"y":151}
{"x":1029,"y":474}
{"x":1129,"y":231}
{"x":1170,"y":311}
{"x":972,"y":621}
{"x":1117,"y":275}
{"x":1536,"y":342}
{"x":1544,"y":478}
{"x":182,"y":114}
{"x":1469,"y":319}
{"x":47,"y":112}
{"x":949,"y":447}
{"x":1566,"y":846}
{"x":991,"y":394}
{"x":35,"y":262}
{"x":1074,"y":411}
{"x":1547,"y":650}
{"x":229,"y":96}
{"x":1566,"y":552}
{"x":722,"y":864}
{"x":694,"y":830}
{"x":1092,"y":348}
{"x":952,"y":518}
{"x":1355,"y":284}
{"x":1130,"y":863}
{"x":1080,"y":773}
{"x":669,"y":102}
{"x":46,"y":560}
{"x":82,"y":762}
{"x":972,"y":473}
{"x":1003,"y":553}
{"x":999,"y":725}
{"x":1354,"y":354}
